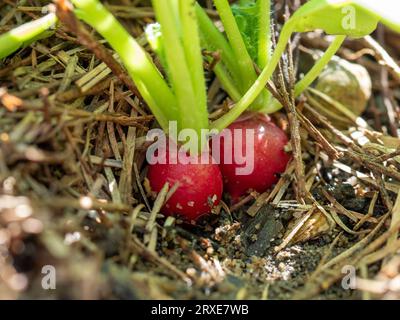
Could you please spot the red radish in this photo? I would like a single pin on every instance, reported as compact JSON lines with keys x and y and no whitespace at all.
{"x":199,"y":185}
{"x":268,"y":155}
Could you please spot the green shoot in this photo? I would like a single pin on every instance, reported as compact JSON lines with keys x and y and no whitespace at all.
{"x":214,"y":40}
{"x":315,"y":71}
{"x":25,"y":34}
{"x":155,"y":39}
{"x":142,"y":70}
{"x":184,"y":61}
{"x":183,"y":97}
{"x":356,"y":18}
{"x":236,"y":69}
{"x":264,"y":32}
{"x":243,"y":60}
{"x":334,"y":17}
{"x":386,"y":10}
{"x":258,"y":86}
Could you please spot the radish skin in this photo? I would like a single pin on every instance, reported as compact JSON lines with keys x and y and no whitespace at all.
{"x":268,"y":155}
{"x":199,"y":185}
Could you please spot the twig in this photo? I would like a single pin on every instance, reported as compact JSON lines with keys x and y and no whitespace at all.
{"x":284,"y":93}
{"x":241,"y":203}
{"x":331,"y":151}
{"x":125,"y":182}
{"x":296,"y":229}
{"x":141,"y":249}
{"x":157,"y":207}
{"x":140,"y":187}
{"x":388,"y":156}
{"x":375,"y":167}
{"x":86,"y":203}
{"x":358,"y":246}
{"x":383,"y":57}
{"x":370,"y":212}
{"x":357,"y":156}
{"x":342,"y":210}
{"x":266,"y":197}
{"x":117,"y":118}
{"x":326,"y":123}
{"x":66,"y":16}
{"x":110,"y":126}
{"x":395,"y":219}
{"x":387,"y":96}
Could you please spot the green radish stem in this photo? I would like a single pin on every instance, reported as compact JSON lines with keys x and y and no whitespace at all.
{"x":238,"y":70}
{"x":243,"y":60}
{"x":215,"y":40}
{"x":259,"y":84}
{"x":184,"y":66}
{"x":264,"y":39}
{"x":146,"y":76}
{"x":262,"y":80}
{"x":194,"y":58}
{"x":186,"y":101}
{"x":13,"y":40}
{"x":156,"y":42}
{"x":264,"y":32}
{"x":226,"y":82}
{"x":315,"y":71}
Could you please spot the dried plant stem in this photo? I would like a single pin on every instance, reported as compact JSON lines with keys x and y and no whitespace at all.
{"x":67,"y":17}
{"x":383,"y":57}
{"x":331,"y":151}
{"x":286,"y":91}
{"x":141,"y":249}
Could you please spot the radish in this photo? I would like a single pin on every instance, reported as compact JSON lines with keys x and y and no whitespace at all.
{"x":178,"y":93}
{"x":269,"y":157}
{"x":198,"y":184}
{"x":178,"y":97}
{"x":247,"y":41}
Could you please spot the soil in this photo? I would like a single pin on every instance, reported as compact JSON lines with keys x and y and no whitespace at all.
{"x":229,"y":260}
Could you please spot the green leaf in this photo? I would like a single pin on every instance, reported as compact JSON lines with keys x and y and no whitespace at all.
{"x":243,"y":59}
{"x":339,"y":17}
{"x":246,"y":16}
{"x":26,"y":34}
{"x":387,"y":10}
{"x":214,"y":40}
{"x":155,"y":39}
